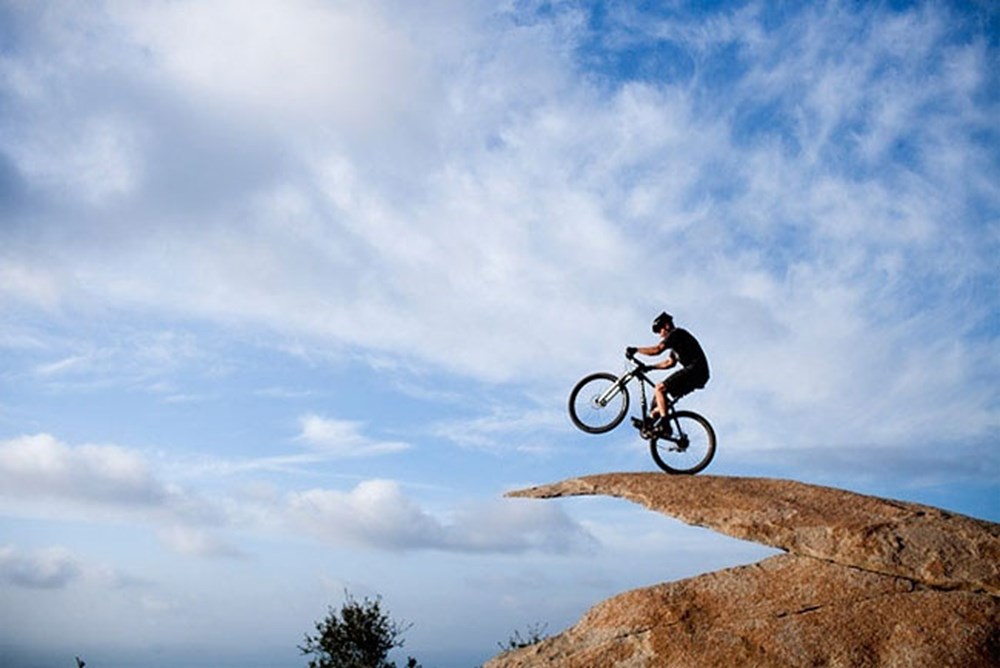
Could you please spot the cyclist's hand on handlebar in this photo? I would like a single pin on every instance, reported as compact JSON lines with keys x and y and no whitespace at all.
{"x":630,"y":352}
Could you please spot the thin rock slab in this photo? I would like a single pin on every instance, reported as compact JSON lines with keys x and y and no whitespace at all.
{"x":926,"y":544}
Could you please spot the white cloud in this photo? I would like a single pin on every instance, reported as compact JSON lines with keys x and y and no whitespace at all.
{"x":831,"y":196}
{"x":342,"y":438}
{"x":303,"y":60}
{"x":377,"y":514}
{"x":811,"y":219}
{"x":95,"y":159}
{"x":41,"y":476}
{"x":112,"y":484}
{"x":505,"y":428}
{"x":21,"y":282}
{"x":52,"y":568}
{"x":144,"y":359}
{"x":513,"y":526}
{"x":197,"y":542}
{"x":42,"y":467}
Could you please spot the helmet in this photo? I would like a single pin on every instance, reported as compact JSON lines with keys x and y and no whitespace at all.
{"x":661,"y":320}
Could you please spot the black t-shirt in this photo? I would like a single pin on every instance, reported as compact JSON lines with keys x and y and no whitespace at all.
{"x":687,"y":349}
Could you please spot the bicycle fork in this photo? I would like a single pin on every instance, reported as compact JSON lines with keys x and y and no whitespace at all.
{"x":616,"y":388}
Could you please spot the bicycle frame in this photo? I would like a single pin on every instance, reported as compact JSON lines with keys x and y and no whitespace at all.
{"x":636,"y":371}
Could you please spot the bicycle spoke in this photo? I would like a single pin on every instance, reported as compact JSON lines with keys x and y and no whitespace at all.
{"x":598,"y":403}
{"x":688,"y":447}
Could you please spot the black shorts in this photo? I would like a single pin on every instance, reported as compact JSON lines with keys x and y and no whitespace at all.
{"x":685,"y":381}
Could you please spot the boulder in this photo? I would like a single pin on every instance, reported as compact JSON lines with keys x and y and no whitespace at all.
{"x":865,"y":582}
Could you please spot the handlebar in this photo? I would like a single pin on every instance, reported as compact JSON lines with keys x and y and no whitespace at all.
{"x":630,"y":356}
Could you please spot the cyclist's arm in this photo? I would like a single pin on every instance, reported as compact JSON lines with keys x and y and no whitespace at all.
{"x":667,"y":363}
{"x":652,"y":350}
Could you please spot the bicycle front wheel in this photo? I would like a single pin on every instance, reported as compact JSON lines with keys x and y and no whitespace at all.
{"x":597,"y":404}
{"x":688,"y":447}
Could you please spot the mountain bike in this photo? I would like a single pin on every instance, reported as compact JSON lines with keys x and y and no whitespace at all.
{"x":685,"y":443}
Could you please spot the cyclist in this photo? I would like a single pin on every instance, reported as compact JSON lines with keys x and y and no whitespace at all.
{"x":685,"y":350}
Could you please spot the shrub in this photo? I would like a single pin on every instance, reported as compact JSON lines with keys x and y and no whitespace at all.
{"x":359,"y":635}
{"x":535,"y":633}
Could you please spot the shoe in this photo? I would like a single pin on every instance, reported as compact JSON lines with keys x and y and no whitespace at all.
{"x":663,"y":428}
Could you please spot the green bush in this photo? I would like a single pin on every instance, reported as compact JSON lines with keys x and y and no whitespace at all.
{"x":359,"y":635}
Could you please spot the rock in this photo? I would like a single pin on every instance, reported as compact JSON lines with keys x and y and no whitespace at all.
{"x":867,"y":582}
{"x":892,"y":537}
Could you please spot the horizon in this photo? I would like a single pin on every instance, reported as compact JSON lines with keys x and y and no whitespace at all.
{"x":291,"y":293}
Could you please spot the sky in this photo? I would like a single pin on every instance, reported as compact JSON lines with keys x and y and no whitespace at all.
{"x":291,"y":293}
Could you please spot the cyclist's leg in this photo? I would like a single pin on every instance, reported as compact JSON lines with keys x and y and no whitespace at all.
{"x":660,"y":399}
{"x":667,"y":393}
{"x":670,"y":390}
{"x":681,"y":383}
{"x":676,"y":385}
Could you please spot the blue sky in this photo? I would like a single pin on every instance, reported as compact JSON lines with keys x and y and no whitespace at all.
{"x":292,"y":292}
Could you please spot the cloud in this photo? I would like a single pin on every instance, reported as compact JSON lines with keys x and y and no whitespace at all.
{"x":40,"y":476}
{"x":515,"y":527}
{"x":79,"y":360}
{"x":377,"y":514}
{"x":42,"y":467}
{"x":504,"y":428}
{"x":197,"y":542}
{"x":56,"y":568}
{"x":302,"y":60}
{"x":21,"y":282}
{"x":112,"y":483}
{"x":811,"y":186}
{"x":52,"y":568}
{"x":342,"y":438}
{"x":972,"y":463}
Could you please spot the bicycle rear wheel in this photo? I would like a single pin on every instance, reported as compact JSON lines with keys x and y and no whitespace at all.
{"x":688,"y":448}
{"x":586,"y":409}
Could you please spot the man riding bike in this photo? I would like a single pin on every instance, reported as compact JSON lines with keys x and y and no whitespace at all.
{"x":685,"y":350}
